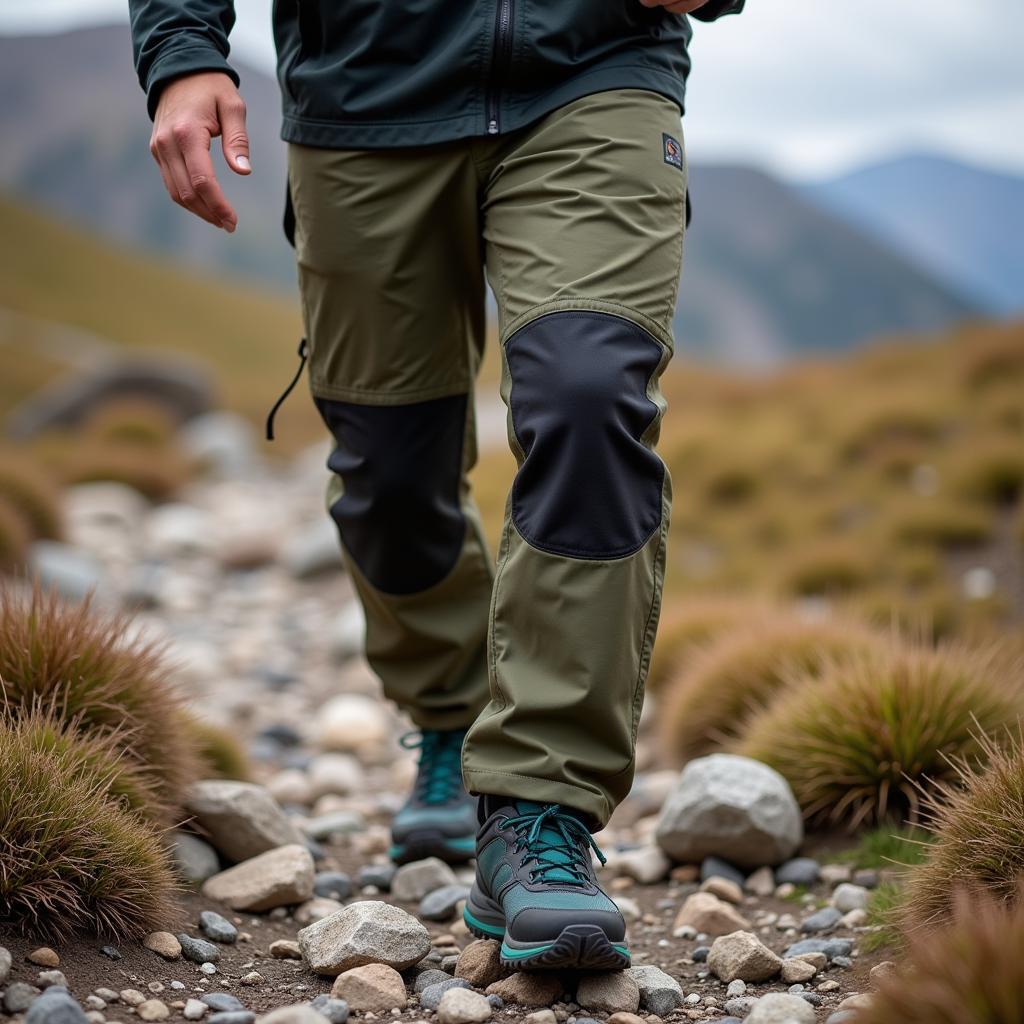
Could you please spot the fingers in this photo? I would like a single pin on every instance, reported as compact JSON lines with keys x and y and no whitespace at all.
{"x":234,"y":140}
{"x":183,"y":153}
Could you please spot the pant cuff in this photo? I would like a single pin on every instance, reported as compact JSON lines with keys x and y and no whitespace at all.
{"x":596,"y":807}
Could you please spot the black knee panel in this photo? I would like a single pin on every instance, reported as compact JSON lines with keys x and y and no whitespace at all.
{"x":588,"y":486}
{"x":399,"y":517}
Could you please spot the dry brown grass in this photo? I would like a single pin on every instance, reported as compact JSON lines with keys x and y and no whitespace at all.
{"x":709,"y":702}
{"x":977,"y":819}
{"x":72,"y":860}
{"x":858,"y":740}
{"x":136,"y":422}
{"x":88,"y":668}
{"x":15,"y":536}
{"x":26,"y":486}
{"x":970,"y":972}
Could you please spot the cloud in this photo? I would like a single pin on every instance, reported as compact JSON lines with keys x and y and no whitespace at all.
{"x":806,"y":86}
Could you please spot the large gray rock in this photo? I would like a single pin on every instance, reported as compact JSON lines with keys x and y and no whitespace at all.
{"x":660,"y":993}
{"x":277,"y":878}
{"x":730,"y":807}
{"x":781,"y":1008}
{"x":241,"y":819}
{"x":368,"y":932}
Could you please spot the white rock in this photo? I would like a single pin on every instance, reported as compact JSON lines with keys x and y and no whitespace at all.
{"x":781,"y":1008}
{"x":847,"y":897}
{"x":742,"y":955}
{"x":368,"y":932}
{"x":761,"y":882}
{"x":347,"y":637}
{"x":414,"y":881}
{"x":731,"y":807}
{"x":221,"y":442}
{"x":278,"y":878}
{"x":352,"y":723}
{"x":195,"y":1009}
{"x":338,"y":774}
{"x":705,"y":912}
{"x":178,"y":530}
{"x":463,"y":1006}
{"x":316,"y":909}
{"x":241,"y":819}
{"x":646,"y":865}
{"x":314,"y":549}
{"x":290,"y":786}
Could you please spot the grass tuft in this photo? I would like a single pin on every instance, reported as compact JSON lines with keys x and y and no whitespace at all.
{"x":15,"y":536}
{"x":977,"y":821}
{"x":221,"y":754}
{"x":33,"y":494}
{"x":858,"y":742}
{"x":722,"y":686}
{"x":88,"y":668}
{"x":971,"y":972}
{"x":73,"y":860}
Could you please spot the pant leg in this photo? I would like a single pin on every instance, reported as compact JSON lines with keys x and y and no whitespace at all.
{"x":584,"y":230}
{"x":390,"y":273}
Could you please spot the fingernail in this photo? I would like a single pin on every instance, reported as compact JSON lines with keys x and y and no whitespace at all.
{"x":243,"y":162}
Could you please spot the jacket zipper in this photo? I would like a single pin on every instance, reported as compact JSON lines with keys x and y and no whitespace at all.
{"x":502,"y":53}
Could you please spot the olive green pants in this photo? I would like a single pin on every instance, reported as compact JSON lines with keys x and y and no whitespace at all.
{"x":577,"y":222}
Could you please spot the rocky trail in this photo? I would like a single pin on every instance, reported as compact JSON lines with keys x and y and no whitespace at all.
{"x":242,"y":579}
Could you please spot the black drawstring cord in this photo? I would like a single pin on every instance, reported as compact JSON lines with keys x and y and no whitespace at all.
{"x":303,"y":353}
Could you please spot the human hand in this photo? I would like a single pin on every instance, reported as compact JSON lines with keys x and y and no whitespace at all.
{"x":675,"y":6}
{"x":193,"y":110}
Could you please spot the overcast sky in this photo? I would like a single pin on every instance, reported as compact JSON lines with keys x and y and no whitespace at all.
{"x":808,"y":87}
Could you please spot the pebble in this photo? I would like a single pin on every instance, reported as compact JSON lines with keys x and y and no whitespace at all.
{"x":830,"y":947}
{"x":740,"y":1006}
{"x":867,"y":877}
{"x":5,"y":964}
{"x":222,"y":1002}
{"x":19,"y":996}
{"x":194,"y":858}
{"x":131,"y":997}
{"x":526,"y":989}
{"x":111,"y":952}
{"x":55,"y":1007}
{"x":199,"y":951}
{"x":803,"y":871}
{"x":431,"y":996}
{"x":164,"y":944}
{"x":724,"y":888}
{"x":372,"y":987}
{"x":413,"y":881}
{"x":781,"y":1008}
{"x":232,"y":1017}
{"x":195,"y":1009}
{"x":335,"y":885}
{"x":743,"y":955}
{"x":706,"y":913}
{"x":54,"y":977}
{"x":882,"y":970}
{"x":833,"y":874}
{"x":379,"y":876}
{"x":335,"y":1010}
{"x":440,"y":905}
{"x":218,"y":928}
{"x":285,"y":949}
{"x":463,"y":1006}
{"x":715,"y":867}
{"x":794,"y":971}
{"x":822,"y":920}
{"x":152,"y":1009}
{"x":761,"y":882}
{"x":847,"y":897}
{"x":609,"y":992}
{"x":646,"y":865}
{"x":660,"y":993}
{"x":545,"y":1017}
{"x":431,"y":976}
{"x":735,"y":988}
{"x":316,"y":909}
{"x":480,"y":963}
{"x":700,"y":954}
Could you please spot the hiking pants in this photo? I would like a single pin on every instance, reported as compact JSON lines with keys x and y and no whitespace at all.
{"x":577,"y":222}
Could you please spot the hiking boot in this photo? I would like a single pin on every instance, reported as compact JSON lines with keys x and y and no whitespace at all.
{"x":439,"y":818}
{"x":535,"y":890}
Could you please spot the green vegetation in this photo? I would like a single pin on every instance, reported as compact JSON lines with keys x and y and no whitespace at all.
{"x":887,"y":846}
{"x":970,"y":971}
{"x":220,"y":754}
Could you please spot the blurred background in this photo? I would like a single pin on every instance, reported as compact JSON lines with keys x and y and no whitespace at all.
{"x":846,"y":408}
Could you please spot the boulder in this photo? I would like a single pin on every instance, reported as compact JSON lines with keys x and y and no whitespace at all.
{"x":732,"y":807}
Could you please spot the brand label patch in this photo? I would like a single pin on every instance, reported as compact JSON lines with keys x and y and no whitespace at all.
{"x":673,"y":151}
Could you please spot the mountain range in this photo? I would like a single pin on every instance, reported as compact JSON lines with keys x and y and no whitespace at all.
{"x":772,"y":269}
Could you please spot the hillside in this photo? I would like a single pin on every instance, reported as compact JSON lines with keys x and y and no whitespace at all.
{"x":247,"y":334}
{"x":964,"y":223}
{"x":768,"y":275}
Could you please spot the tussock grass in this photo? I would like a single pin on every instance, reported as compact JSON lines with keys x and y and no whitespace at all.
{"x":33,"y":493}
{"x":132,"y":421}
{"x":859,"y":741}
{"x":990,"y":470}
{"x":89,"y":669}
{"x":888,"y":846}
{"x":72,"y":859}
{"x":832,"y":566}
{"x":971,"y":972}
{"x":220,"y":753}
{"x":940,"y":522}
{"x":724,"y":685}
{"x":976,"y":817}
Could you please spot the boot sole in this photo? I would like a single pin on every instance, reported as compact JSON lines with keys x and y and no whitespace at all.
{"x":432,"y":843}
{"x":577,"y":947}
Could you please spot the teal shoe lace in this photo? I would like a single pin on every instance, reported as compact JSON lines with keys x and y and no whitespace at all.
{"x":558,"y":844}
{"x":439,"y":775}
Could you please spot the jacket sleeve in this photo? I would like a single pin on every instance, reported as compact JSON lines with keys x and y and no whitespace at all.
{"x":171,"y":38}
{"x":716,"y":8}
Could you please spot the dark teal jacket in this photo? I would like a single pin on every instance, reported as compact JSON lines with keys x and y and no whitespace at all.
{"x":358,"y":74}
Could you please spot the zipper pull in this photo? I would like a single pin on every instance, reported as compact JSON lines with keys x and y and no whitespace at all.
{"x":492,"y":127}
{"x":303,"y":353}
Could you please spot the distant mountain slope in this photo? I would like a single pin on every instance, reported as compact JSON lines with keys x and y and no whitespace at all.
{"x":768,"y":274}
{"x":964,"y":223}
{"x":76,"y":139}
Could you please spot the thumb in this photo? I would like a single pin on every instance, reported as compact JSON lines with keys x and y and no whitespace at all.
{"x":233,"y":136}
